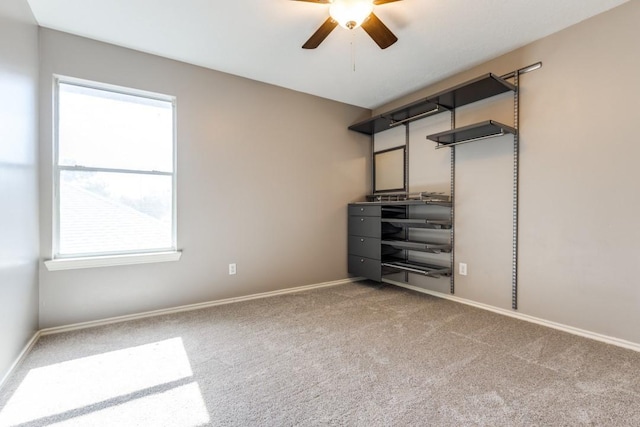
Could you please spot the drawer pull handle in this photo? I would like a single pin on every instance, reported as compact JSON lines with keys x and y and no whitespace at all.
{"x":361,"y":259}
{"x":361,"y":219}
{"x":362,"y":240}
{"x":361,"y":209}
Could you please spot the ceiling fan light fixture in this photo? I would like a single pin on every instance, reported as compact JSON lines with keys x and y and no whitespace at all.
{"x":350,"y":14}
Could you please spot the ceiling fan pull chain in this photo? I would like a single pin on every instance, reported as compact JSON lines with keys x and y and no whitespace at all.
{"x":353,"y":51}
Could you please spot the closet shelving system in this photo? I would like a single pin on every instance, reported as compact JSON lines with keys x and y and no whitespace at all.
{"x":448,"y":100}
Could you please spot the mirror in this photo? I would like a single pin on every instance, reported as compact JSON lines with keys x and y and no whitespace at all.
{"x":389,"y":170}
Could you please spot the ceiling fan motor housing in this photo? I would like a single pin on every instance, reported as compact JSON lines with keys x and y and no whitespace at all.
{"x":352,"y":14}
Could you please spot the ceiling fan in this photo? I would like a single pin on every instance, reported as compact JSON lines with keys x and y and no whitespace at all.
{"x":352,"y":14}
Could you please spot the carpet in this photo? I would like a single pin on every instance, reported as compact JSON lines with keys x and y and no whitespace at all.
{"x":361,"y":354}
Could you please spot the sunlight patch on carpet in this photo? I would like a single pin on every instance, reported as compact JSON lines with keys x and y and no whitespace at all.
{"x":117,"y":382}
{"x":182,"y":406}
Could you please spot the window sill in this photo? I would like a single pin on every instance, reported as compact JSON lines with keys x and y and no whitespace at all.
{"x":112,"y":260}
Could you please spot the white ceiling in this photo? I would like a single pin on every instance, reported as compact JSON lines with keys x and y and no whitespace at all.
{"x":262,"y":39}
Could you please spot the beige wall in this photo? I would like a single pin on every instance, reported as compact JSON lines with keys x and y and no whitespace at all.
{"x":18,"y":180}
{"x":580,"y":204}
{"x":264,"y":176}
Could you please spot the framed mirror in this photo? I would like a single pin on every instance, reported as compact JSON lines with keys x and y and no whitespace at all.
{"x":389,"y":170}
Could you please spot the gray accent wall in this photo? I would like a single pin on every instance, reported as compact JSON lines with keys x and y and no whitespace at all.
{"x":18,"y":180}
{"x":579,"y":198}
{"x":264,"y":178}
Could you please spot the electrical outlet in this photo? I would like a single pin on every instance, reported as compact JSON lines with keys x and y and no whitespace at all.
{"x":462,"y":269}
{"x":232,"y":269}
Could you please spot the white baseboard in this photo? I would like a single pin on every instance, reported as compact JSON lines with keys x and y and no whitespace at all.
{"x":76,"y":326}
{"x":190,"y":307}
{"x":565,"y":328}
{"x":27,"y":348}
{"x":111,"y":320}
{"x":548,"y":323}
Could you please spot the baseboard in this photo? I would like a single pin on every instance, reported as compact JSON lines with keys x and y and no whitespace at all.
{"x":527,"y":318}
{"x":27,"y":348}
{"x":190,"y":307}
{"x":76,"y":326}
{"x":565,"y":328}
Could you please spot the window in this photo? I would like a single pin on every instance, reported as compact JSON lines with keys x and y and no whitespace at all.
{"x":115,"y":182}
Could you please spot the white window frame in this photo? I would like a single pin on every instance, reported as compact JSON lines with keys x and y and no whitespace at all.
{"x":64,"y":262}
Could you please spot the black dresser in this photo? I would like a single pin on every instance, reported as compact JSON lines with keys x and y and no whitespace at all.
{"x":382,"y":238}
{"x":364,"y":241}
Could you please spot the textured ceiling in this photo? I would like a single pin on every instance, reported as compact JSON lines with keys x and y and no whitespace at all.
{"x":262,"y":39}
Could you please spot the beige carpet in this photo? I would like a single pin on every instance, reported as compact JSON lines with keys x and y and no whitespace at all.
{"x":359,"y":354}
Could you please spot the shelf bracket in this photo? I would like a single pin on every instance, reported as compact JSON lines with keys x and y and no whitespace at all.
{"x":516,"y":191}
{"x":452,"y":237}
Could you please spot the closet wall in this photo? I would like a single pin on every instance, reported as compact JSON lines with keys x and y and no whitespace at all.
{"x":579,"y":201}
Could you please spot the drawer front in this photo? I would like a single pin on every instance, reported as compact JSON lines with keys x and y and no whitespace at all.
{"x":368,"y":247}
{"x":366,"y":226}
{"x":365,"y":267}
{"x":364,"y":210}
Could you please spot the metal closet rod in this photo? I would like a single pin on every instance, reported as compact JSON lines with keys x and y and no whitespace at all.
{"x":524,"y":70}
{"x":417,"y":116}
{"x":507,"y":76}
{"x":480,"y":138}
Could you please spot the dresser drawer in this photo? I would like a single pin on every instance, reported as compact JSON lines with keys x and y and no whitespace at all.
{"x":368,"y":247}
{"x":364,"y":210}
{"x":366,"y":226}
{"x":365,"y":267}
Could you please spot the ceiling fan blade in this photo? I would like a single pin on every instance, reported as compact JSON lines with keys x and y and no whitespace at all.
{"x":321,"y":34}
{"x":324,"y":1}
{"x":376,"y":2}
{"x":378,"y":31}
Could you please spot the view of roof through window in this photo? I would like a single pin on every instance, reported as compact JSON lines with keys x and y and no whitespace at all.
{"x":115,"y":172}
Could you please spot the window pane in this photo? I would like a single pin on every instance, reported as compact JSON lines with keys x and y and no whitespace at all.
{"x":114,"y":212}
{"x":99,"y":128}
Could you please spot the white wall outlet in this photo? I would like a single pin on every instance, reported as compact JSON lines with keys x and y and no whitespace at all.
{"x":232,"y":268}
{"x":462,"y":269}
